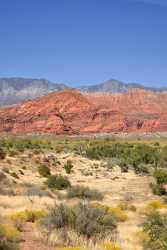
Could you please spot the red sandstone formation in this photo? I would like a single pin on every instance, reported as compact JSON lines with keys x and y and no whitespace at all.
{"x":70,"y":112}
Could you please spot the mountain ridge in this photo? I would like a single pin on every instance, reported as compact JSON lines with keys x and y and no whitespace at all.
{"x":115,"y":86}
{"x":17,"y":89}
{"x":70,"y":112}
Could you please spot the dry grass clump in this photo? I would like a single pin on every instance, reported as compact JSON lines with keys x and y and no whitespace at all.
{"x":83,"y":192}
{"x":9,"y":237}
{"x":109,"y":245}
{"x":9,"y":232}
{"x":119,"y":214}
{"x":81,"y":222}
{"x":29,"y":215}
{"x":152,"y":206}
{"x":127,"y":206}
{"x":156,"y":204}
{"x":20,"y":218}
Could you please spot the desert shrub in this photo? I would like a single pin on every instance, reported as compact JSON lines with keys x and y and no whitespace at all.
{"x":9,"y":237}
{"x":68,"y":166}
{"x":158,"y":189}
{"x":129,"y":154}
{"x":83,"y":219}
{"x":124,"y":166}
{"x":9,"y":232}
{"x":44,"y":170}
{"x":156,"y":204}
{"x":143,"y":238}
{"x":155,"y":226}
{"x":119,"y":214}
{"x":142,"y":168}
{"x":127,"y":206}
{"x":28,"y":216}
{"x":161,"y":176}
{"x":2,"y":154}
{"x":84,"y":193}
{"x":20,"y":144}
{"x":138,"y":153}
{"x":111,"y":163}
{"x":109,"y":245}
{"x":58,"y":182}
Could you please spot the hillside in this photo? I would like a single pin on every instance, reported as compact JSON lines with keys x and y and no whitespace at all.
{"x":70,"y":112}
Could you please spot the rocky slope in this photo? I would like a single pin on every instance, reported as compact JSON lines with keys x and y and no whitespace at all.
{"x":70,"y":112}
{"x":14,"y":90}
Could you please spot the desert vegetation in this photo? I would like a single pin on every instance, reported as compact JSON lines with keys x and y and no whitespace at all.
{"x":83,"y":193}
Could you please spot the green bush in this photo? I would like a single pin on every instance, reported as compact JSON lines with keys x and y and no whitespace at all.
{"x":44,"y":170}
{"x":83,"y":219}
{"x":84,"y":193}
{"x":155,"y":226}
{"x":129,"y":154}
{"x":58,"y":182}
{"x":68,"y":167}
{"x":161,"y":176}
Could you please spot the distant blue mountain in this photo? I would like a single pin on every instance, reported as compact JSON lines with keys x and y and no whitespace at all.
{"x":115,"y":86}
{"x":14,"y":90}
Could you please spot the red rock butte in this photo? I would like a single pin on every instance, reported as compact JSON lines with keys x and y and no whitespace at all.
{"x":73,"y":113}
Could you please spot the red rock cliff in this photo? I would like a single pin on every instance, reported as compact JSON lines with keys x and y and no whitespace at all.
{"x":70,"y":112}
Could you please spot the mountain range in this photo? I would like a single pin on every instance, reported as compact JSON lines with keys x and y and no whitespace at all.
{"x":15,"y":90}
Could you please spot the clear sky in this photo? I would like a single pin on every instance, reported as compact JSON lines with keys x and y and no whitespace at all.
{"x":85,"y":41}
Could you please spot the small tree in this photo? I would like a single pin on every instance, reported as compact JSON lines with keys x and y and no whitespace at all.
{"x":68,"y":167}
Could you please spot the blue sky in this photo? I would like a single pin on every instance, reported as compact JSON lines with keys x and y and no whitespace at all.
{"x":85,"y":41}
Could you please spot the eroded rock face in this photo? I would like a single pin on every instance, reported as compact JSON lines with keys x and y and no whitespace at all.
{"x":70,"y":112}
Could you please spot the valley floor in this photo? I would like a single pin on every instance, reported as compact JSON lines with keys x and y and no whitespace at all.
{"x":25,"y":190}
